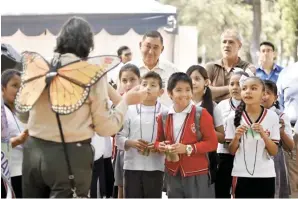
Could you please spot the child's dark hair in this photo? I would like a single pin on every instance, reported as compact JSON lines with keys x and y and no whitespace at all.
{"x":130,"y":67}
{"x":273,"y":88}
{"x":241,"y":106}
{"x":178,"y":77}
{"x":153,"y":75}
{"x":7,"y":75}
{"x":207,"y":102}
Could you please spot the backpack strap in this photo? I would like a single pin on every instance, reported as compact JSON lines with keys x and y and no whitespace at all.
{"x":197,"y":121}
{"x":164,"y":115}
{"x":198,"y":114}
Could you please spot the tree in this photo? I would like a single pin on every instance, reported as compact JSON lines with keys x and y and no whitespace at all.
{"x":256,"y":20}
{"x":290,"y":25}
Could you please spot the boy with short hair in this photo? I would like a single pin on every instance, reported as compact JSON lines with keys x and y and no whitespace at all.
{"x":143,"y":165}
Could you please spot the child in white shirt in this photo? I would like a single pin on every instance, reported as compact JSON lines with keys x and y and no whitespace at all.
{"x":286,"y":141}
{"x":223,"y":181}
{"x":143,"y":166}
{"x":253,"y":133}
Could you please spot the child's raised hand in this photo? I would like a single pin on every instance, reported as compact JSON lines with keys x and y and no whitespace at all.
{"x":240,"y":130}
{"x":135,"y":95}
{"x":178,"y":148}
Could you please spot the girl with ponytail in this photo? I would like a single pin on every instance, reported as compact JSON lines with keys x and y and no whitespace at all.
{"x":202,"y":97}
{"x":223,"y":181}
{"x":269,"y":101}
{"x":253,"y":135}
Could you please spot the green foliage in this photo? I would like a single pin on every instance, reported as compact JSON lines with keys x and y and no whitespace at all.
{"x":279,"y":22}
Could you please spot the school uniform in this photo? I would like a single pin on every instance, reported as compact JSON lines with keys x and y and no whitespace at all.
{"x":143,"y":175}
{"x":282,"y":181}
{"x":217,"y":116}
{"x":188,"y":178}
{"x":223,"y":181}
{"x":16,"y":155}
{"x":253,"y":171}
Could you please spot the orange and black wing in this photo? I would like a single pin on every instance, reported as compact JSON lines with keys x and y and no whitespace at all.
{"x":35,"y":68}
{"x":70,"y":88}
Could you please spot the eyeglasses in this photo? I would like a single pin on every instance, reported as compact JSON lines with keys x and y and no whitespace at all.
{"x":127,"y":54}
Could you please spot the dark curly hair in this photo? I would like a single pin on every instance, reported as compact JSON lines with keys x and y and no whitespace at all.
{"x":76,"y":37}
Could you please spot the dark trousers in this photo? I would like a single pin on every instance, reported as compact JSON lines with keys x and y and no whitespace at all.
{"x":143,"y":184}
{"x":3,"y":190}
{"x":45,"y":172}
{"x":223,"y":181}
{"x":98,"y":170}
{"x":16,"y":183}
{"x":253,"y":187}
{"x":102,"y":177}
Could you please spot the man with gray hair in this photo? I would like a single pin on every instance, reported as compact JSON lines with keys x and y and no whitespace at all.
{"x":220,"y":71}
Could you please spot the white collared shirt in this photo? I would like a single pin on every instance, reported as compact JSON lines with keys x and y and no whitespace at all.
{"x":165,"y":69}
{"x":15,"y":128}
{"x":131,"y":131}
{"x":288,"y":91}
{"x":252,"y":154}
{"x":285,"y":118}
{"x":114,"y":74}
{"x":217,"y":117}
{"x":227,"y":107}
{"x":102,"y":146}
{"x":179,"y":121}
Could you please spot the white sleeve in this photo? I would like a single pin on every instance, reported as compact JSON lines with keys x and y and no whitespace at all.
{"x":288,"y":127}
{"x":99,"y":146}
{"x":217,"y":116}
{"x":230,"y":129}
{"x":122,"y":136}
{"x":13,"y":129}
{"x":275,"y":130}
{"x":296,"y":128}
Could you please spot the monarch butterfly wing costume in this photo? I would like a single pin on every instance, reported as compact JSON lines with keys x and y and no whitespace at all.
{"x":70,"y":88}
{"x":69,"y":85}
{"x":35,"y":68}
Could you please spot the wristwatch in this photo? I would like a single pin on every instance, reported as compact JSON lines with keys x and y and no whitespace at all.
{"x":189,"y":150}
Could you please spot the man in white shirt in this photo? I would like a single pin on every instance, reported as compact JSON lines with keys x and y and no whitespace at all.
{"x":125,"y":55}
{"x":151,"y":48}
{"x":288,"y":99}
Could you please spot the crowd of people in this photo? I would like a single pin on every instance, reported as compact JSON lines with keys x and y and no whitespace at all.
{"x":225,"y":129}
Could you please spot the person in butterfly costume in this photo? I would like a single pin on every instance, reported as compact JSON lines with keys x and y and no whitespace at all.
{"x":63,"y":103}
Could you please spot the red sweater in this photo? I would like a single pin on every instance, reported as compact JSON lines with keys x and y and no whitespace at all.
{"x":197,"y":162}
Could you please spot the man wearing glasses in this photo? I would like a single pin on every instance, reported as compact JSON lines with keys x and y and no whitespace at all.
{"x":124,"y":53}
{"x":151,"y":48}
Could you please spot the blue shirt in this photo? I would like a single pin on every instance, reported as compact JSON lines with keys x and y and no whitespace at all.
{"x":287,"y":86}
{"x":273,"y":76}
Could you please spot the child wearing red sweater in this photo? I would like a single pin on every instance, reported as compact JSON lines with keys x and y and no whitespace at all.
{"x":186,"y":163}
